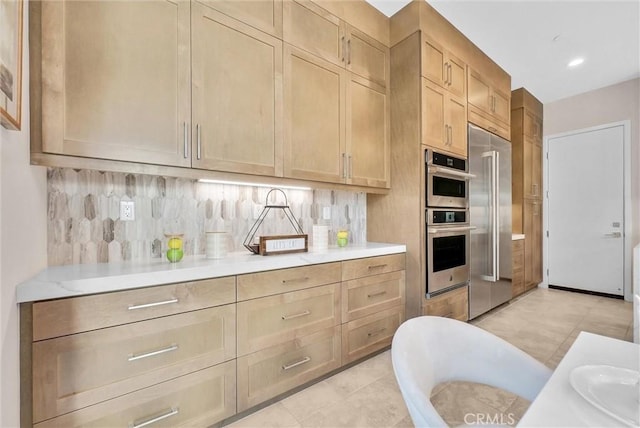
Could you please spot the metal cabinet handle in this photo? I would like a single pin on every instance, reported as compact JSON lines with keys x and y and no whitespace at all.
{"x":450,"y":74}
{"x":349,"y":52}
{"x":170,"y":412}
{"x":297,"y":363}
{"x":376,"y":266}
{"x":534,"y":189}
{"x":445,"y":73}
{"x":344,"y":48}
{"x":350,"y":169}
{"x":185,"y":139}
{"x":301,"y":314}
{"x":153,"y":353}
{"x":344,"y":165}
{"x":150,"y":305}
{"x":381,"y":293}
{"x":199,"y":153}
{"x":450,"y":135}
{"x":302,"y":279}
{"x":376,"y":332}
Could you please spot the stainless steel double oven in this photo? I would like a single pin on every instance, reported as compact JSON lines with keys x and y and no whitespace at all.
{"x":447,"y":222}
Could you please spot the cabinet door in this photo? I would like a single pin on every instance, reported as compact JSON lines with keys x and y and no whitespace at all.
{"x":533,"y":242}
{"x":533,"y":169}
{"x":237,"y":102}
{"x":479,"y":92}
{"x":501,"y":106}
{"x":457,"y":76}
{"x":433,"y":61}
{"x":313,"y":29}
{"x":367,"y":57}
{"x":314,"y":124}
{"x":116,"y":80}
{"x":532,"y":127}
{"x":367,"y":134}
{"x":456,"y":113}
{"x":265,"y":15}
{"x":434,"y":132}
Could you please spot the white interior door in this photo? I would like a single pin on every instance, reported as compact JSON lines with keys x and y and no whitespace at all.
{"x":586,"y":210}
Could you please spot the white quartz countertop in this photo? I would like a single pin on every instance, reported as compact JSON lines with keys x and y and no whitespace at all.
{"x":77,"y":280}
{"x":517,"y":236}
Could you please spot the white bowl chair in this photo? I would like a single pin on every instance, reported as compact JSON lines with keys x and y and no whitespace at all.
{"x":429,"y":350}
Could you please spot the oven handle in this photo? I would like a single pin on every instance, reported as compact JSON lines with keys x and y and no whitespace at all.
{"x":435,"y":231}
{"x":452,"y":172}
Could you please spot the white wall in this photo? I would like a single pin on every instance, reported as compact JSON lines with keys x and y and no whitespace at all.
{"x":23,"y":241}
{"x":614,"y":103}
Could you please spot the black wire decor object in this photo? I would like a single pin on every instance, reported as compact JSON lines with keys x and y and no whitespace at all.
{"x":259,"y":248}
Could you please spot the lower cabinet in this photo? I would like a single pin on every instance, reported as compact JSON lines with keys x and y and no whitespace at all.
{"x":277,"y":369}
{"x":196,"y":399}
{"x":194,"y":354}
{"x":517,"y":268}
{"x":453,"y":304}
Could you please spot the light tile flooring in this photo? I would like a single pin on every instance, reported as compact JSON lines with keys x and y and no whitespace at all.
{"x":544,"y":323}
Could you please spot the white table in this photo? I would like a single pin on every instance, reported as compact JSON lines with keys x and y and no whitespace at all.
{"x":559,"y":405}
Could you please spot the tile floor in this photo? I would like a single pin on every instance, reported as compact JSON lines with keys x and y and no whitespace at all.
{"x":543,"y":322}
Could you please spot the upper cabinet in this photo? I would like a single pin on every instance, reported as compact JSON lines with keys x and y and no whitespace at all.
{"x":489,"y":103}
{"x":204,"y":84}
{"x":443,"y":68}
{"x":115,"y":80}
{"x":336,"y":100}
{"x":444,"y":120}
{"x":237,"y":95}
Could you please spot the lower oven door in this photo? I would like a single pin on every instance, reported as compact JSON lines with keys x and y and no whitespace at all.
{"x":447,"y":257}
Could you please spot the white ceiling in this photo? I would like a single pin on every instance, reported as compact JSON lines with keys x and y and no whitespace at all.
{"x":519,"y":36}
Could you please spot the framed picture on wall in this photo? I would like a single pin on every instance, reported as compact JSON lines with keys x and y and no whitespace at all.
{"x":11,"y":63}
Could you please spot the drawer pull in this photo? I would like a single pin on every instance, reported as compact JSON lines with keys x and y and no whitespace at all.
{"x":171,"y":412}
{"x":303,"y":279}
{"x":151,"y":305}
{"x":301,"y":314}
{"x":297,"y":363}
{"x":377,"y":266}
{"x":376,"y":332}
{"x":381,"y":293}
{"x":151,"y":354}
{"x":448,"y":315}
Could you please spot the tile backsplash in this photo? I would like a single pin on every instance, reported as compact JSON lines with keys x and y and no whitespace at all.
{"x":84,"y":223}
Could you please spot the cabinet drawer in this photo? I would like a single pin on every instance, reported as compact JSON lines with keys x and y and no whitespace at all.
{"x":366,"y":335}
{"x":197,"y":399}
{"x":67,"y":316}
{"x":271,"y":320}
{"x":269,"y":283}
{"x":272,"y":371}
{"x":454,"y":304}
{"x":359,"y":268}
{"x":82,"y":369}
{"x":371,"y":294}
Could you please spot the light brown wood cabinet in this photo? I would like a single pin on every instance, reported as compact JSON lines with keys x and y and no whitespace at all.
{"x":444,"y":120}
{"x":517,"y":268}
{"x":443,"y":68}
{"x":453,"y":304}
{"x":237,"y":96}
{"x":373,"y":300}
{"x":265,"y":15}
{"x":489,"y":107}
{"x":115,"y":80}
{"x":526,"y":188}
{"x":336,"y":105}
{"x":196,"y":399}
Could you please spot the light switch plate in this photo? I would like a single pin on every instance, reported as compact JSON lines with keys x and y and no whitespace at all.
{"x":326,"y":213}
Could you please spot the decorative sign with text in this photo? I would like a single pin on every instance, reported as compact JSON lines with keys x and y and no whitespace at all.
{"x":283,"y":244}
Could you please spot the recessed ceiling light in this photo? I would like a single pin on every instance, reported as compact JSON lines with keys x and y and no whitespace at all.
{"x":575,"y":62}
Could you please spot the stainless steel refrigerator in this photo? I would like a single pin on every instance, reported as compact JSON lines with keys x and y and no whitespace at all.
{"x":490,"y":215}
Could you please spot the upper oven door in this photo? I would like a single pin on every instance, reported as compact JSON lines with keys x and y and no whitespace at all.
{"x":446,"y":181}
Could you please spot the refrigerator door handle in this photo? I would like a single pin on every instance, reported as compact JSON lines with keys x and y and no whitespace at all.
{"x":493,"y":220}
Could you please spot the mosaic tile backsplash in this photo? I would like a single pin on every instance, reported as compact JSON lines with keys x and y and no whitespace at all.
{"x":84,"y":224}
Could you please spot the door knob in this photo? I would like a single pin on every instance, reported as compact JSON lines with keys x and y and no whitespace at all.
{"x":613,"y":235}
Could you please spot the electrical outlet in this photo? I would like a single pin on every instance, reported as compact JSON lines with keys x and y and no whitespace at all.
{"x":127,"y":211}
{"x":326,"y":213}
